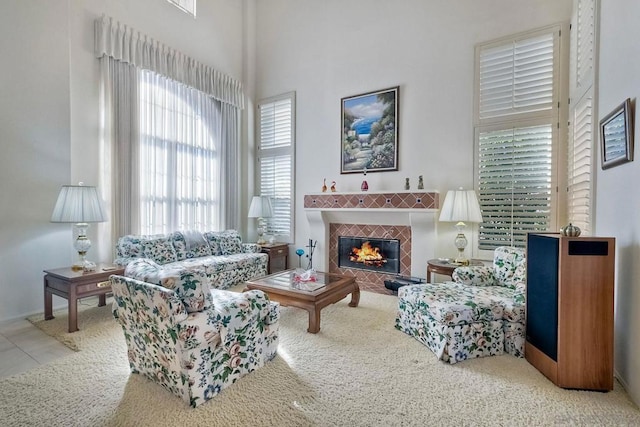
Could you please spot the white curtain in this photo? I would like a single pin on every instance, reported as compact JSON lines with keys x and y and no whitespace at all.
{"x":230,"y":166}
{"x":180,"y":141}
{"x":125,"y":44}
{"x":171,"y":152}
{"x":118,"y":178}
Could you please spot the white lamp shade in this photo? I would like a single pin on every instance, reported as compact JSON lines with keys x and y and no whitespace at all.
{"x":260,"y":207}
{"x":78,"y":204}
{"x":461,"y":205}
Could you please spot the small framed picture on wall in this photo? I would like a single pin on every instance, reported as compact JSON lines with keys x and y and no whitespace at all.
{"x":616,"y":136}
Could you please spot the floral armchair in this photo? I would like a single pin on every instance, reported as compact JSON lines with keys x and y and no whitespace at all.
{"x":504,"y":283}
{"x":481,"y":313}
{"x":193,"y":343}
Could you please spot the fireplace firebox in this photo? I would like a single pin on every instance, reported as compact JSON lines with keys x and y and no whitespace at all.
{"x":365,"y":253}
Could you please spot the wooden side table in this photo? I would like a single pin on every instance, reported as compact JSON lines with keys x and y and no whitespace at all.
{"x":278,"y":256}
{"x":445,"y":267}
{"x":74,"y":285}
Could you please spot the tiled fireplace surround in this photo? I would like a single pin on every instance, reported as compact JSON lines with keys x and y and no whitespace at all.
{"x":407,"y":216}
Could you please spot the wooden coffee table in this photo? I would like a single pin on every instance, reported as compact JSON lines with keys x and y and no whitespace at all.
{"x":280,"y":287}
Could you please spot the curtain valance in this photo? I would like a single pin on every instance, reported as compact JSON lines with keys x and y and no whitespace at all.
{"x":125,"y":44}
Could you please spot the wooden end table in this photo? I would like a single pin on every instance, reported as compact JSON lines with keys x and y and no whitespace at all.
{"x":280,"y":287}
{"x":445,"y":267}
{"x":278,"y":256}
{"x":74,"y":285}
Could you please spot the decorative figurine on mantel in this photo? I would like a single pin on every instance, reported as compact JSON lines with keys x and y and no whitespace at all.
{"x":407,"y":186}
{"x":364,"y":186}
{"x":324,"y":185}
{"x":420,"y":183}
{"x":333,"y":186}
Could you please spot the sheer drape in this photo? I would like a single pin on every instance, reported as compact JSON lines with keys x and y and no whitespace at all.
{"x":230,"y":166}
{"x":180,"y":173}
{"x":119,"y":141}
{"x":190,"y":179}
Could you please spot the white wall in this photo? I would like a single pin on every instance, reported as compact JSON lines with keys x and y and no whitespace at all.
{"x":326,"y":50}
{"x":35,"y":156}
{"x":49,"y":117}
{"x":618,"y":199}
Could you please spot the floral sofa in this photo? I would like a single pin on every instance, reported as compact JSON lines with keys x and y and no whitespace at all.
{"x":220,"y":259}
{"x":481,"y":313}
{"x":191,"y":342}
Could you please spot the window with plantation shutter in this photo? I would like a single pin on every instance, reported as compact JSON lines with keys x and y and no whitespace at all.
{"x":580,"y":164}
{"x":517,"y":77}
{"x":516,"y":187}
{"x":275,"y":161}
{"x":516,"y":136}
{"x":582,"y":123}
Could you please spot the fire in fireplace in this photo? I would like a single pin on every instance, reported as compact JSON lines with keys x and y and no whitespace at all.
{"x":380,"y":255}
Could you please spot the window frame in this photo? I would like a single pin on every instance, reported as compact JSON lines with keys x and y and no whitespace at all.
{"x":514,"y":120}
{"x":273,"y":152}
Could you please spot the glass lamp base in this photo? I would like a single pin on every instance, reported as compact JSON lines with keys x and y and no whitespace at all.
{"x":461,"y":244}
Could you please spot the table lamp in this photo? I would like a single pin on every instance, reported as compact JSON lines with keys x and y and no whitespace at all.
{"x":261,"y":208}
{"x":81,"y":205}
{"x":461,"y":206}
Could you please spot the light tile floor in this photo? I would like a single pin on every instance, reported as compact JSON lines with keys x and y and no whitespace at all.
{"x":24,"y":347}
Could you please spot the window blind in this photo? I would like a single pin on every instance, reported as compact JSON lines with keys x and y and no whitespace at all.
{"x":276,"y":161}
{"x":515,"y":184}
{"x":582,"y":126}
{"x":580,"y":164}
{"x":517,"y":76}
{"x":585,"y":43}
{"x":517,"y":107}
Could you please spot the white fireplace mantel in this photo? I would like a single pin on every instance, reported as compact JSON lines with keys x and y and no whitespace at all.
{"x":421,"y":221}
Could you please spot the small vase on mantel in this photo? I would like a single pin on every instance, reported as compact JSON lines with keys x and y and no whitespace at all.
{"x":364,"y":186}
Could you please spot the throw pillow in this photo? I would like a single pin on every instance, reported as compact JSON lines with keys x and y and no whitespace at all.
{"x":227,"y":242}
{"x":160,"y":250}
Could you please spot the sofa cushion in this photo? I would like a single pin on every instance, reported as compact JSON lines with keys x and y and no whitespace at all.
{"x":226,"y":242}
{"x":514,"y":310}
{"x":160,"y":249}
{"x":190,"y":244}
{"x":479,"y":275}
{"x":450,"y":304}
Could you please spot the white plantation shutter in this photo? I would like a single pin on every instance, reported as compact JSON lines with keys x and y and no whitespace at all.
{"x":517,"y":107}
{"x":517,"y":77}
{"x":515,"y":184}
{"x":275,"y":159}
{"x":584,"y":33}
{"x":582,"y":123}
{"x":580,"y":165}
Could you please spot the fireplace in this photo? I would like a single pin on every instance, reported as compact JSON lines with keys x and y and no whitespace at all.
{"x":373,"y":254}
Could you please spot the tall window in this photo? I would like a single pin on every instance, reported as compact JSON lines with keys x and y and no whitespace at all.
{"x":516,"y":128}
{"x":179,"y":156}
{"x":276,"y":160}
{"x":582,"y":126}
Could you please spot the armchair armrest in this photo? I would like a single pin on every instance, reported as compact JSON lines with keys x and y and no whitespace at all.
{"x":475,"y":276}
{"x":234,"y":313}
{"x":135,"y":301}
{"x":250,"y":248}
{"x":192,"y":287}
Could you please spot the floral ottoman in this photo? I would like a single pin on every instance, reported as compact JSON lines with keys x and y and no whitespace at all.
{"x":454,"y":324}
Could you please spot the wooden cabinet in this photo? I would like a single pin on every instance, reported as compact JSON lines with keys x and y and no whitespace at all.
{"x":570,"y":284}
{"x":278,"y":256}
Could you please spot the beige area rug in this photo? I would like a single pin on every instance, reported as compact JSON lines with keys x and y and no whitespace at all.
{"x":357,"y":371}
{"x":91,"y":324}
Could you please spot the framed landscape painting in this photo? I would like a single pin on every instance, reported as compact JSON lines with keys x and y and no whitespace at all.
{"x":370,"y":132}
